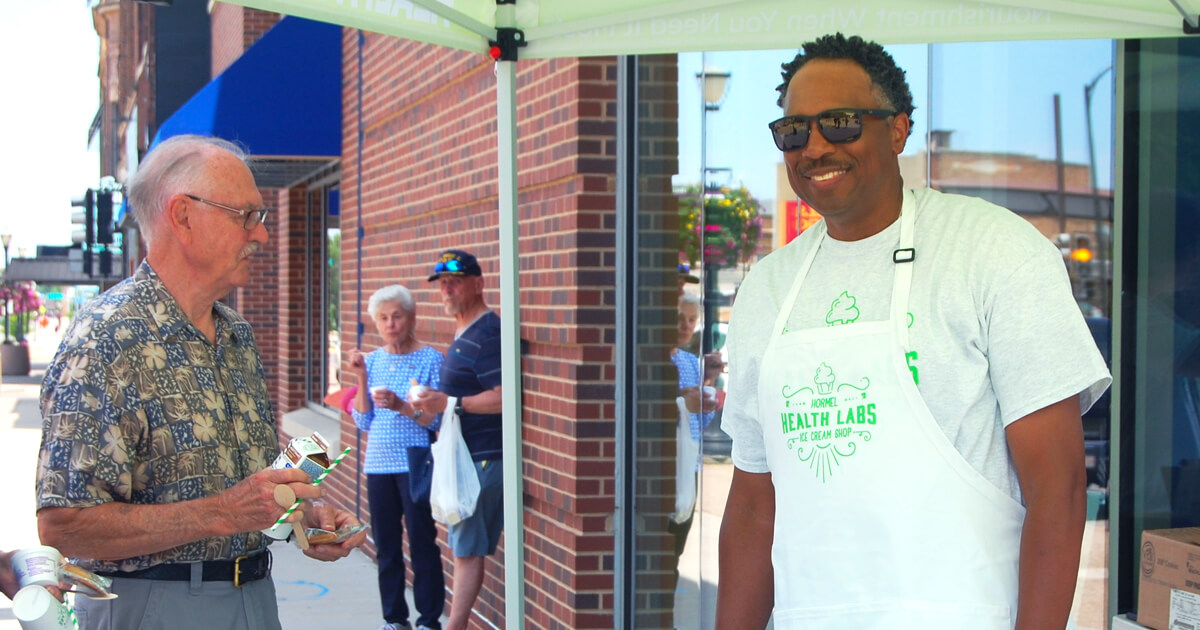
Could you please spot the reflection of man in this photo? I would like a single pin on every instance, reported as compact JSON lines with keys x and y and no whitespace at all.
{"x":471,"y":372}
{"x":940,"y":483}
{"x":158,"y":430}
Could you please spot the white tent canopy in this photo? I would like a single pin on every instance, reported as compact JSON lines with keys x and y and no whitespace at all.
{"x":579,"y":28}
{"x":575,"y":28}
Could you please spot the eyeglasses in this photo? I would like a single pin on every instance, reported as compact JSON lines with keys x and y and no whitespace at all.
{"x":451,"y":266}
{"x":252,"y":217}
{"x":838,"y":126}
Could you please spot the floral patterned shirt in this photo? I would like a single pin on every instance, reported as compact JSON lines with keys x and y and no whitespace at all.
{"x":139,"y":407}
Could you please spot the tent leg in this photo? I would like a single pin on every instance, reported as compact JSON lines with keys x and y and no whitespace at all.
{"x":510,"y":345}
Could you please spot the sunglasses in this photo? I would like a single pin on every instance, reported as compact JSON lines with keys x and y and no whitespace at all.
{"x":449,"y":266}
{"x":250,"y":218}
{"x":837,"y":126}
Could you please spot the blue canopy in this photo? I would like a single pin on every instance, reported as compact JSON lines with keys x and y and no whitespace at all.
{"x":282,"y":99}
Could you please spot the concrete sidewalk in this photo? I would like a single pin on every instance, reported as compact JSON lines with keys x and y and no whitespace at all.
{"x":311,"y":594}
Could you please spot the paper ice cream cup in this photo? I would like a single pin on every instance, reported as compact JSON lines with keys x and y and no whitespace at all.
{"x":36,"y":609}
{"x":416,"y":391}
{"x":39,"y":565}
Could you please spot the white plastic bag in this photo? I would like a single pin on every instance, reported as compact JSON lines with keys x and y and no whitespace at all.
{"x":687,"y":453}
{"x":455,"y":487}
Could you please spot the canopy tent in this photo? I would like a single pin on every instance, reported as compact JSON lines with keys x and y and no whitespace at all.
{"x":570,"y":28}
{"x":506,"y":29}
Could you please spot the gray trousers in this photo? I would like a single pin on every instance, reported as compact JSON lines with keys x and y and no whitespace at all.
{"x":163,"y":605}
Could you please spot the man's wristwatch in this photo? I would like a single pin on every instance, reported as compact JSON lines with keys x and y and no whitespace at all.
{"x":458,"y":409}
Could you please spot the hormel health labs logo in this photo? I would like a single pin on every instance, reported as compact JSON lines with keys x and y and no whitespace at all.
{"x":824,"y":423}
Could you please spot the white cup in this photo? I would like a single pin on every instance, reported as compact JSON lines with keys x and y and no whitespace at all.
{"x":36,"y":609}
{"x":416,"y":391}
{"x":39,"y":565}
{"x":709,"y":392}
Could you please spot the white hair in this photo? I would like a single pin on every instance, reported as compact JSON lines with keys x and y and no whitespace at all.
{"x":690,"y":299}
{"x":391,"y":294}
{"x":168,"y":169}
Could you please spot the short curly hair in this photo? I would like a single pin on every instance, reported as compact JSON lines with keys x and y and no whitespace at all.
{"x":886,"y":77}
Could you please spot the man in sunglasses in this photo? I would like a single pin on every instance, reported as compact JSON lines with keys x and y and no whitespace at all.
{"x":157,"y":431}
{"x":471,"y":373}
{"x":906,"y":384}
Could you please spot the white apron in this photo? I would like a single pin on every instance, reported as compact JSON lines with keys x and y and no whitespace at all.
{"x":879,"y":521}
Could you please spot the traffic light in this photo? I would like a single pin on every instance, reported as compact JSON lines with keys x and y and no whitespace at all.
{"x":85,"y":235}
{"x":104,"y":229}
{"x":104,"y":217}
{"x":1081,"y":248}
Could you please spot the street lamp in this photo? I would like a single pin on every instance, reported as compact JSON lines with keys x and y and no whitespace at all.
{"x":6,"y":239}
{"x":1101,"y":287}
{"x":713,"y":82}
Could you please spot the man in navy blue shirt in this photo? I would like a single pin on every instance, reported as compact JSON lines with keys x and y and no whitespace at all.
{"x":471,"y":373}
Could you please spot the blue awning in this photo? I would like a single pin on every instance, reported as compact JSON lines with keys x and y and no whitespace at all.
{"x":281,"y":100}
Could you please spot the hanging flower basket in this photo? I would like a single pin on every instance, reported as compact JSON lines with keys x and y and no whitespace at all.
{"x":729,"y":231}
{"x":19,"y":304}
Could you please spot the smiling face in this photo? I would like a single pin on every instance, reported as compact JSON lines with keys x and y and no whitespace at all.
{"x":855,"y":186}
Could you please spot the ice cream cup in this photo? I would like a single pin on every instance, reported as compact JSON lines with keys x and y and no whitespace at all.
{"x":39,"y":565}
{"x":36,"y":609}
{"x":416,"y":391}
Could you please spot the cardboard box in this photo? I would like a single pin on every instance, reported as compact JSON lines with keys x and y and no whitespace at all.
{"x":1169,"y":593}
{"x":309,"y":454}
{"x":1121,"y":622}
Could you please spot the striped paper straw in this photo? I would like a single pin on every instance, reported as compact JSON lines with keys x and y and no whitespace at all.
{"x":316,"y":482}
{"x":71,"y":611}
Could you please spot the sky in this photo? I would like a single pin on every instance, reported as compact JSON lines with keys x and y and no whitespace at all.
{"x":51,"y":88}
{"x":1008,"y":107}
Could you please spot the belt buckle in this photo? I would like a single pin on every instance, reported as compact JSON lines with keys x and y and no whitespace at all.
{"x":237,"y":571}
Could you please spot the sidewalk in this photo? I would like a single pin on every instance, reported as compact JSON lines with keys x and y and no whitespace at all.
{"x":311,"y":594}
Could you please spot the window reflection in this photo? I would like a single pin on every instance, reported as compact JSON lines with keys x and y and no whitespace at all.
{"x":1026,"y":125}
{"x":1161,"y":313}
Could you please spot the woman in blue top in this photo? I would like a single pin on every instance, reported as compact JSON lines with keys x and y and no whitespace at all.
{"x":702,"y":407}
{"x":381,"y":407}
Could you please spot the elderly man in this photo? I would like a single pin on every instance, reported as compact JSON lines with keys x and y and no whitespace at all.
{"x":157,"y":431}
{"x":907,"y":379}
{"x":471,"y":373}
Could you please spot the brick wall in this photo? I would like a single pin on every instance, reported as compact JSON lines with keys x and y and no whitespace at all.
{"x":234,"y":29}
{"x":298,"y":247}
{"x":428,"y":120}
{"x":657,"y":379}
{"x":257,"y":300}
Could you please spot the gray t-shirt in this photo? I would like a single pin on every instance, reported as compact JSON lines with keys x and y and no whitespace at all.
{"x":991,"y":317}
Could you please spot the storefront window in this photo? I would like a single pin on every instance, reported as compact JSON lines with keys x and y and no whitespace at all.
{"x":323,"y":287}
{"x":1159,"y":409}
